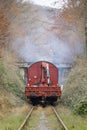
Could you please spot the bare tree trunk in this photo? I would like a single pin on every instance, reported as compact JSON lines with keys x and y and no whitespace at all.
{"x":86,"y":33}
{"x":85,"y":12}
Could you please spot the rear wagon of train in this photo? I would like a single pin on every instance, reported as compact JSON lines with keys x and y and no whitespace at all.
{"x":42,"y":83}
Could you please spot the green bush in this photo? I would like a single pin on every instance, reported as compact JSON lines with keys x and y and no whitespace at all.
{"x":75,"y":90}
{"x":81,"y":107}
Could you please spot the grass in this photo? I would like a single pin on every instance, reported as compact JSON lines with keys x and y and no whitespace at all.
{"x":9,"y":77}
{"x":71,"y":120}
{"x":13,"y":120}
{"x":34,"y":119}
{"x":75,"y":89}
{"x":43,"y":118}
{"x":13,"y":107}
{"x":53,"y":123}
{"x":52,"y":120}
{"x":73,"y":110}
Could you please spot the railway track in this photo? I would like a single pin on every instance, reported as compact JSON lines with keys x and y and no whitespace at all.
{"x":59,"y":119}
{"x":63,"y":126}
{"x":26,"y":119}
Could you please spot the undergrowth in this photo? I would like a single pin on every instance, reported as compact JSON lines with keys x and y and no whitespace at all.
{"x":13,"y":107}
{"x":75,"y":90}
{"x":81,"y":107}
{"x":11,"y":84}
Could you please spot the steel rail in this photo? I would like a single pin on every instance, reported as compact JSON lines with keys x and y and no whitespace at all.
{"x":59,"y":119}
{"x":25,"y":121}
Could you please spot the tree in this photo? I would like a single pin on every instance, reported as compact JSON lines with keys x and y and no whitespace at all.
{"x":81,"y":7}
{"x":4,"y":23}
{"x":69,"y":19}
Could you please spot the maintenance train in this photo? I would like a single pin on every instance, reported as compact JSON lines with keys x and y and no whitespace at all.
{"x":42,"y":83}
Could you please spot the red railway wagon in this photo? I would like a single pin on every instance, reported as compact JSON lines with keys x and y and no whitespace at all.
{"x":42,"y":83}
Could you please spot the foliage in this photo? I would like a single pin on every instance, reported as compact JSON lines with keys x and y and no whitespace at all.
{"x":72,"y":12}
{"x":72,"y":120}
{"x":75,"y":91}
{"x":81,"y":106}
{"x":13,"y":107}
{"x":11,"y":84}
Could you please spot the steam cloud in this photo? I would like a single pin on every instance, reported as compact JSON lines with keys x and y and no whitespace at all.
{"x":31,"y":39}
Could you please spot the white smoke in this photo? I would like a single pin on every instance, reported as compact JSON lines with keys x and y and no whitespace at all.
{"x":33,"y":42}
